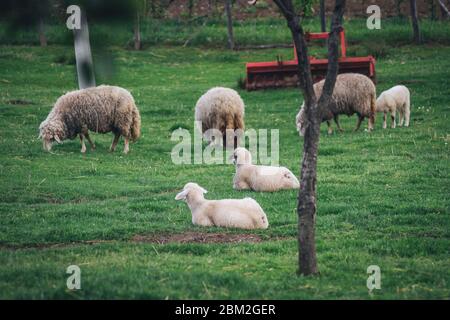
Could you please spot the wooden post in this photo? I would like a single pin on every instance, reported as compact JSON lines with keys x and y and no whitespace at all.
{"x":323,"y":21}
{"x":42,"y":37}
{"x":229,"y":24}
{"x":415,"y":22}
{"x":83,"y":55}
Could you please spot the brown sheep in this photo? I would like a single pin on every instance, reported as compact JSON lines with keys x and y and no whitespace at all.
{"x":353,"y":93}
{"x":220,"y":109}
{"x":101,"y":109}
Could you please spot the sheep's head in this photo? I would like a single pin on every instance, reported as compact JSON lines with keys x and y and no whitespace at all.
{"x":300,"y":121}
{"x":49,"y":132}
{"x":190,"y":189}
{"x":290,"y":180}
{"x":241,"y":156}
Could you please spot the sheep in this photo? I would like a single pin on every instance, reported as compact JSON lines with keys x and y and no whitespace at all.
{"x":230,"y":213}
{"x":100,"y":109}
{"x":220,"y":109}
{"x":260,"y":178}
{"x":353,"y":93}
{"x":392,"y":100}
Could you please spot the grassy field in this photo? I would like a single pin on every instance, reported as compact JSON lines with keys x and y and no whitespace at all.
{"x":383,"y":197}
{"x":213,"y":32}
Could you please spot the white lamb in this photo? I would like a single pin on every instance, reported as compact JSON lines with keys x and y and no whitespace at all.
{"x":395,"y":99}
{"x":231,"y":213}
{"x":260,"y":178}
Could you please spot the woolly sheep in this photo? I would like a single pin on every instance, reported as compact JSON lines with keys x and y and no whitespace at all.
{"x":231,"y":213}
{"x":220,"y":109}
{"x":101,"y":109}
{"x":260,"y":178}
{"x":392,"y":100}
{"x":353,"y":93}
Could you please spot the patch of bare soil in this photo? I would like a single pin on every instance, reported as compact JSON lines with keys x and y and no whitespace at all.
{"x":19,"y":102}
{"x":197,"y":237}
{"x":187,"y":237}
{"x":51,"y":245}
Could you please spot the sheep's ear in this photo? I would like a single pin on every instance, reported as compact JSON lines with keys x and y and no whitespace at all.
{"x":182,"y":195}
{"x":203,"y":190}
{"x":57,"y":138}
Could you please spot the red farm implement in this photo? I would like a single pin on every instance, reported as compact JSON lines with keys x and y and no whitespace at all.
{"x":276,"y":74}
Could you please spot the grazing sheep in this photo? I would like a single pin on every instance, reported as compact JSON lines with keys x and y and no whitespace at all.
{"x":392,"y":100}
{"x":231,"y":213}
{"x":353,"y":93}
{"x":260,"y":178}
{"x":101,"y":109}
{"x":221,"y":109}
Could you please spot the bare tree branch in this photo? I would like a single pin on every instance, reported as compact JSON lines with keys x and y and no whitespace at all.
{"x":333,"y":54}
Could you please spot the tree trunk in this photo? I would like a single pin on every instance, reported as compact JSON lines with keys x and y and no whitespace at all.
{"x":444,"y":11}
{"x":432,"y":6}
{"x":307,"y":205}
{"x":415,"y":22}
{"x":398,"y":4}
{"x":190,"y":8}
{"x":137,"y":33}
{"x":323,"y":21}
{"x":41,"y":30}
{"x":229,"y":24}
{"x":83,"y":56}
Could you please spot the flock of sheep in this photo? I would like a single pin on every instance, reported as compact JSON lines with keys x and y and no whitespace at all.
{"x":112,"y":109}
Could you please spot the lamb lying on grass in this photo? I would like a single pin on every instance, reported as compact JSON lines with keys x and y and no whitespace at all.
{"x":395,"y":99}
{"x":221,"y":109}
{"x":260,"y":178}
{"x":353,"y":93}
{"x":231,"y":213}
{"x":102,"y":109}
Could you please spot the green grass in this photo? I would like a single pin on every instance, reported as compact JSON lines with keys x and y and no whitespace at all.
{"x":213,"y":32}
{"x":382,"y":197}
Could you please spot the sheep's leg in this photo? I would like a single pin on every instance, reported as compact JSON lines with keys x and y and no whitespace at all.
{"x":407,"y":115}
{"x":85,"y":132}
{"x":83,"y":146}
{"x":114,"y":143}
{"x":336,"y":120}
{"x":126,"y":149}
{"x":358,"y":124}
{"x":88,"y":137}
{"x":241,"y":185}
{"x":384,"y":120}
{"x":371,"y":122}
{"x":401,"y":115}
{"x":393,"y":119}
{"x":330,"y":130}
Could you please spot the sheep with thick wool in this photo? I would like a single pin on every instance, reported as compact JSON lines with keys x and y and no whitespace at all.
{"x":396,"y":99}
{"x":353,"y":93}
{"x":100,"y":109}
{"x":230,"y":213}
{"x":221,"y":110}
{"x":260,"y":178}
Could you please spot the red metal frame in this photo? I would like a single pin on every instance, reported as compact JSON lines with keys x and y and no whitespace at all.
{"x":285,"y":73}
